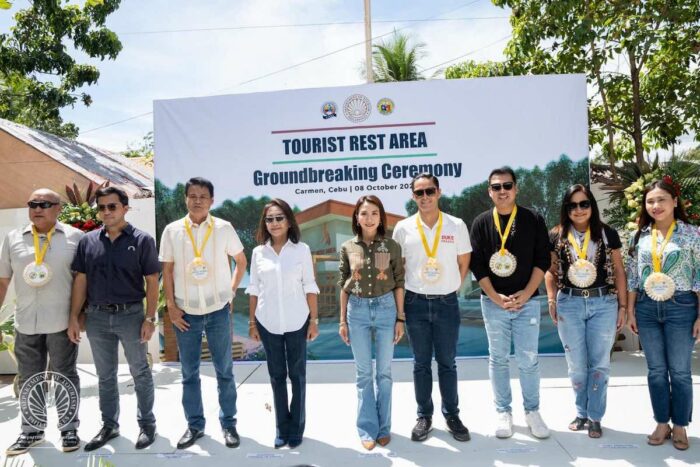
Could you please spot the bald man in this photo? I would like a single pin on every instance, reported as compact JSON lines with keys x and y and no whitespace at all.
{"x":39,"y":257}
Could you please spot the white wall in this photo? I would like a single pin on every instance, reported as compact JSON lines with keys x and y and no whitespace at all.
{"x":141,"y":215}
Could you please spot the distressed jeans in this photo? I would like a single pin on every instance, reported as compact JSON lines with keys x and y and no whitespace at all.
{"x":105,"y":330}
{"x":666,"y":334}
{"x":368,"y":316}
{"x":587,"y":331}
{"x":522,"y":329}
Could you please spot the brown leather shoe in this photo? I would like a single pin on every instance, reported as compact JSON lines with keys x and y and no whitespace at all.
{"x":384,"y":440}
{"x":680,"y":438}
{"x":659,"y":436}
{"x":369,"y":444}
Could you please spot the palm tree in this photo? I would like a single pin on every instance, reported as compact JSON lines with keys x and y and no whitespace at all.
{"x":397,"y":60}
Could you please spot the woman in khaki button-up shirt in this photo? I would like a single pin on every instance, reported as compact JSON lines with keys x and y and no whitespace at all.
{"x":371,"y":300}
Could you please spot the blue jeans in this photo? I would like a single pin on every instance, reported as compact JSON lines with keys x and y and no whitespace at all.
{"x":587,"y":331}
{"x":522,"y":328}
{"x":286,"y":354}
{"x":367,"y":316}
{"x":666,"y":334}
{"x":105,"y":330}
{"x":432,"y":324}
{"x":217,"y":327}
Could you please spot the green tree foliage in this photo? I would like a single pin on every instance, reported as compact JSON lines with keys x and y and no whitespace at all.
{"x":38,"y":73}
{"x":170,"y":206}
{"x":539,"y":189}
{"x":640,"y":58}
{"x":397,"y":59}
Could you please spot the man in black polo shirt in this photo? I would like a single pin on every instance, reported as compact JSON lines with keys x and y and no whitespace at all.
{"x":111,"y":264}
{"x":511,"y":255}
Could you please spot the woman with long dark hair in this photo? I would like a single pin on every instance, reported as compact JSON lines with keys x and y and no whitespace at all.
{"x":371,"y":304}
{"x":587,"y":296}
{"x":663,"y":283}
{"x":283,"y":313}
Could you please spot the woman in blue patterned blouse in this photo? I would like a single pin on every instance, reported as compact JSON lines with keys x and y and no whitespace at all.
{"x":663,"y":282}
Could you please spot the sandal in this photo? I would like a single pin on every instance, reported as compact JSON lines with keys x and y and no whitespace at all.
{"x":594,"y":429}
{"x":658,"y":441}
{"x":578,"y":424}
{"x":680,"y":442}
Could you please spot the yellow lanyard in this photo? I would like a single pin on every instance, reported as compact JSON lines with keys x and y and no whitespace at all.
{"x":198,"y":251}
{"x":436,"y":241}
{"x":581,"y":252}
{"x":657,"y":255}
{"x":40,"y":252}
{"x":497,"y":221}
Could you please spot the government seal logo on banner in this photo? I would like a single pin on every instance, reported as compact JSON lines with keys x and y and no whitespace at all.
{"x":357,"y":108}
{"x":385,"y":106}
{"x":329,"y":110}
{"x":43,"y":391}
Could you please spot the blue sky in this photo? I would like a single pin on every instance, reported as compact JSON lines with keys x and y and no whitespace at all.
{"x":197,"y":63}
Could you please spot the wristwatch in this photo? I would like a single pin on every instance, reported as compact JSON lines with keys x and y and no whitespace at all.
{"x":315,"y":321}
{"x":151,"y":319}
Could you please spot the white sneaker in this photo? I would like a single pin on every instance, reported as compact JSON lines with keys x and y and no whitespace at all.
{"x":537,"y":425}
{"x":504,"y":427}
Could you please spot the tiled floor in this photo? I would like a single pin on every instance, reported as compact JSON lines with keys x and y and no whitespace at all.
{"x":331,"y":439}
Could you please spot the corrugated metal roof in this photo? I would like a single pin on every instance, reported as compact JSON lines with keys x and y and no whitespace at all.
{"x":93,"y":163}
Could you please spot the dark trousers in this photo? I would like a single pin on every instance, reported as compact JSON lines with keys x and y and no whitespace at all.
{"x":433,"y":325}
{"x":286,"y":355}
{"x":31,"y":351}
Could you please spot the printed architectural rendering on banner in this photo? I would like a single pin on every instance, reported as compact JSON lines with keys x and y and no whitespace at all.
{"x":321,"y":149}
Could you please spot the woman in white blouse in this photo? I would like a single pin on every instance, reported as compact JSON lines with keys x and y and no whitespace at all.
{"x":283,"y":313}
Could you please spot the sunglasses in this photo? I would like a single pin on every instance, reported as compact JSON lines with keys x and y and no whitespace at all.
{"x":427,"y":192}
{"x":271,"y":219}
{"x":585,"y":204}
{"x":41,"y":204}
{"x":104,"y":207}
{"x":506,"y":186}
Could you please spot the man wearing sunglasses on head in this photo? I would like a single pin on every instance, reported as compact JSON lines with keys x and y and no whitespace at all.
{"x":436,"y":250}
{"x":196,"y":253}
{"x":111,"y":264}
{"x":511,"y":255}
{"x":39,"y":255}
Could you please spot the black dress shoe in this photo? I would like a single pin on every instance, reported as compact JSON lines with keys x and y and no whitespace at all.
{"x":191,"y":435}
{"x":70,"y":441}
{"x":231,"y":437}
{"x":422,"y":428}
{"x":101,"y":438}
{"x":457,"y":428}
{"x":147,"y":436}
{"x":280,"y":443}
{"x":293,"y":443}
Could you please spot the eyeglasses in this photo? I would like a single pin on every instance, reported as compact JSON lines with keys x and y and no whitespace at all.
{"x":506,"y":186}
{"x":271,"y":219}
{"x":41,"y":204}
{"x":427,"y":192}
{"x":104,"y":207}
{"x":585,"y":204}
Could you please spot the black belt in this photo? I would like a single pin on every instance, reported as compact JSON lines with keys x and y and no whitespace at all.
{"x":115,"y":307}
{"x":586,"y":293}
{"x":430,"y":296}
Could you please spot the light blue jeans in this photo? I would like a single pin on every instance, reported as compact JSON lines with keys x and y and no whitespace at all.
{"x":587,"y":331}
{"x":365,"y":317}
{"x":521,"y":328}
